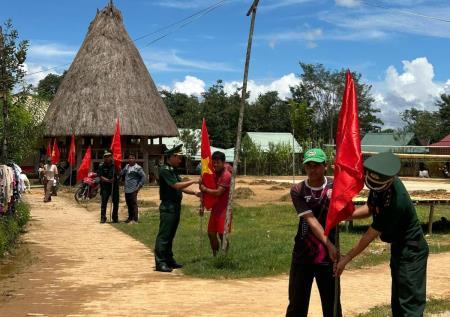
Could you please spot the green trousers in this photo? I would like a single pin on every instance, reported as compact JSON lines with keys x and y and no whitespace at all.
{"x":169,"y":218}
{"x":409,"y":277}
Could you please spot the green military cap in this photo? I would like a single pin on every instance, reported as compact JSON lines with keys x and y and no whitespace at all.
{"x":381,"y":169}
{"x":107,"y":153}
{"x":315,"y":155}
{"x":176,"y":150}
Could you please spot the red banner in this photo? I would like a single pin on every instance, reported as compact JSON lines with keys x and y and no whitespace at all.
{"x":49,"y":149}
{"x":348,"y":166}
{"x":116,"y":148}
{"x":56,"y":154}
{"x":71,"y":155}
{"x":208,"y":177}
{"x":85,"y":165}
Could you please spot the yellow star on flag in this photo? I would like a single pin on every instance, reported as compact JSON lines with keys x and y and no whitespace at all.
{"x":205,"y":166}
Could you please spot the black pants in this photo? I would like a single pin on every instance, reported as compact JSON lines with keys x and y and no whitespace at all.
{"x":300,"y":283}
{"x":105,"y":194}
{"x":168,"y":225}
{"x":131,"y":200}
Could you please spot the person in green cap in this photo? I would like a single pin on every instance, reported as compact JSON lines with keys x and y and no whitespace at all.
{"x":394,"y":221}
{"x":171,"y":190}
{"x":314,"y":254}
{"x":109,"y":186}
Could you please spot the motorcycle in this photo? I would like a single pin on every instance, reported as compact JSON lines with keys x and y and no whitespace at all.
{"x":88,"y":188}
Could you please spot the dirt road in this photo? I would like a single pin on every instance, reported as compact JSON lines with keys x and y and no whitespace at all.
{"x":83,"y":268}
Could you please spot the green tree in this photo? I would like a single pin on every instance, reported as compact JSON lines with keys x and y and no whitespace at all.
{"x":422,"y":123}
{"x":302,"y":118}
{"x":191,"y":142}
{"x":48,"y":86}
{"x":184,"y":109}
{"x":12,"y":72}
{"x":322,"y":90}
{"x":444,"y":114}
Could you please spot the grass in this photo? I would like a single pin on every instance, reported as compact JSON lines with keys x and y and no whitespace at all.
{"x":434,"y":306}
{"x":12,"y":226}
{"x":262,"y":241}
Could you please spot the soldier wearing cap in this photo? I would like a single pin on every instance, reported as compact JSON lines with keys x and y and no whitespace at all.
{"x":109,"y":186}
{"x":171,"y":190}
{"x":395,"y":221}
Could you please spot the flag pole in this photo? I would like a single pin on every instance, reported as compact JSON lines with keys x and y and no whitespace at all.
{"x":337,"y":280}
{"x":237,"y":149}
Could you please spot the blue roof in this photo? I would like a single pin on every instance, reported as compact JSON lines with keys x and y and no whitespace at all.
{"x":264,"y":139}
{"x":394,"y":142}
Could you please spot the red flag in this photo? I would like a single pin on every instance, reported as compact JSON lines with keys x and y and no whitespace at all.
{"x":348,"y":170}
{"x":85,"y":165}
{"x":71,"y":155}
{"x":208,"y":177}
{"x":49,"y":149}
{"x":116,"y":147}
{"x":56,"y":154}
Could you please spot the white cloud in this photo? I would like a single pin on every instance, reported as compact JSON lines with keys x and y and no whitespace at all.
{"x":347,"y":3}
{"x":171,"y":61}
{"x":414,"y":87}
{"x":35,"y":73}
{"x":194,"y":86}
{"x":280,"y":85}
{"x":310,"y":37}
{"x":51,"y":50}
{"x":190,"y":86}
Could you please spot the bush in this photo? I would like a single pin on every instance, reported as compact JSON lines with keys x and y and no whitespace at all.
{"x":12,"y":226}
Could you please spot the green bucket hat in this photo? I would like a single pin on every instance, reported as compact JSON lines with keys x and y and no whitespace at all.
{"x":315,"y":155}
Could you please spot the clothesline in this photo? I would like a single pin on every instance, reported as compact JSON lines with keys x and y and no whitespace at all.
{"x":11,"y":188}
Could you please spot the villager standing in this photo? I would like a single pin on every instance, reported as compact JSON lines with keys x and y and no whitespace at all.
{"x":134,"y":180}
{"x":218,"y":215}
{"x":314,"y":253}
{"x":394,"y":221}
{"x":50,"y":176}
{"x":171,"y":190}
{"x":109,"y":187}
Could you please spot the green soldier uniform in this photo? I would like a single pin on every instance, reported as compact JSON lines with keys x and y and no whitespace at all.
{"x":395,"y":217}
{"x":108,"y":189}
{"x":170,"y":209}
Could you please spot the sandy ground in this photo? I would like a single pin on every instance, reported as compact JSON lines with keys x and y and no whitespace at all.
{"x":83,"y":268}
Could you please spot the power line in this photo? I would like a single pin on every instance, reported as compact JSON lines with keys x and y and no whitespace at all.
{"x":406,"y":12}
{"x":181,"y":24}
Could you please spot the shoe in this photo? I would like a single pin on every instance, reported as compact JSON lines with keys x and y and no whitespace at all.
{"x":115,"y":221}
{"x":128,"y":221}
{"x":163,"y":268}
{"x":102,"y":220}
{"x":176,"y":265}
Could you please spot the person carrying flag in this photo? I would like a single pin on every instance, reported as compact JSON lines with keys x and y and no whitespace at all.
{"x":394,"y":221}
{"x":314,"y":253}
{"x":171,"y":190}
{"x":218,"y":215}
{"x":109,"y":186}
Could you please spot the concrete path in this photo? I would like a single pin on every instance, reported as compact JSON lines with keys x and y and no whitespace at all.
{"x":83,"y":268}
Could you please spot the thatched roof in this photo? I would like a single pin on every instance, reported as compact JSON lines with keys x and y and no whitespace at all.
{"x":108,"y":79}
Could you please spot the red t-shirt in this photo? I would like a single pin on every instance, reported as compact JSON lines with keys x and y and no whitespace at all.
{"x":223,"y":180}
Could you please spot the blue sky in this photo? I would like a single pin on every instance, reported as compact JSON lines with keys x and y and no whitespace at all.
{"x":404,"y":56}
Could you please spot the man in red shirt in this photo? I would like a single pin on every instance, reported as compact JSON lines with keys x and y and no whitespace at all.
{"x":217,"y":219}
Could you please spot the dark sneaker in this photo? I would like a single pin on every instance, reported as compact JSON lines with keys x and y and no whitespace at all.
{"x":163,"y":268}
{"x":102,"y":220}
{"x":128,"y":221}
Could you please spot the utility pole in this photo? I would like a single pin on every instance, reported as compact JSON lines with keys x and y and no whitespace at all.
{"x":3,"y":96}
{"x":237,"y":148}
{"x":293,"y":156}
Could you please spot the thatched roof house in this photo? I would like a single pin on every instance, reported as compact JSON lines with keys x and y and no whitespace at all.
{"x":108,"y":79}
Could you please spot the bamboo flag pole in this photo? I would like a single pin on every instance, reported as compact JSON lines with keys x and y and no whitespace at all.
{"x":337,"y":280}
{"x":237,"y":148}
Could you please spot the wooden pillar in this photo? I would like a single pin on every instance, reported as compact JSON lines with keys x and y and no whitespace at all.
{"x":430,"y":220}
{"x":144,"y":147}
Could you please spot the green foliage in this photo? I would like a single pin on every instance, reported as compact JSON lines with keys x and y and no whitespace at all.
{"x":184,"y":109}
{"x":322,"y":90}
{"x":11,"y":226}
{"x":422,"y":123}
{"x":48,"y":86}
{"x":444,"y":114}
{"x":25,"y":126}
